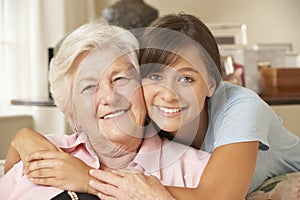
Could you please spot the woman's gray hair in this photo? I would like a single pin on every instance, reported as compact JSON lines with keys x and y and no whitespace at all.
{"x":84,"y":39}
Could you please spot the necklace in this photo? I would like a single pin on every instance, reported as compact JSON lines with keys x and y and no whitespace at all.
{"x":73,"y":195}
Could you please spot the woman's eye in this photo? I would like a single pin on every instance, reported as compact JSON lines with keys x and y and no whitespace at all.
{"x":185,"y":79}
{"x":155,"y":77}
{"x":121,"y":80}
{"x":88,"y":88}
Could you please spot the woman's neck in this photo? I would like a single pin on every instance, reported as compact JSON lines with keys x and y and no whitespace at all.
{"x":116,"y":156}
{"x":120,"y":162}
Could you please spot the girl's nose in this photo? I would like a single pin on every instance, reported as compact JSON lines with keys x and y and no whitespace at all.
{"x":167,"y":93}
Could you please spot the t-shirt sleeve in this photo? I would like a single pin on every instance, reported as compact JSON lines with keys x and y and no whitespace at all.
{"x":246,"y":118}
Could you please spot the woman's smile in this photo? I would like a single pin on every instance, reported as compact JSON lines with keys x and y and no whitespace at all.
{"x":114,"y":114}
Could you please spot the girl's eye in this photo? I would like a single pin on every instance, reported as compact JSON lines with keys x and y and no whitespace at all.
{"x":185,"y":79}
{"x":155,"y":77}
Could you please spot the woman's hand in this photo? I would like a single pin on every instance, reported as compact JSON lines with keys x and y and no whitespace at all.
{"x":59,"y":169}
{"x":125,"y":185}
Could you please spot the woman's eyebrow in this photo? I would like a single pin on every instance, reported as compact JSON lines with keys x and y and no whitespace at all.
{"x":125,"y":67}
{"x":86,"y":80}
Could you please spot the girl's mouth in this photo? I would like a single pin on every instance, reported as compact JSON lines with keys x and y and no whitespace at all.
{"x":170,"y":110}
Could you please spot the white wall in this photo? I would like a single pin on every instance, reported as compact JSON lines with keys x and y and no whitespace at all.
{"x":268,"y":21}
{"x":290,"y":115}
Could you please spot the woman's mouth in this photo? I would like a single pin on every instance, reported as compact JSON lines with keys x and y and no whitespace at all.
{"x":114,"y":114}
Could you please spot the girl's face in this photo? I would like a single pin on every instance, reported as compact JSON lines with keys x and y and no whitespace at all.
{"x":175,"y":96}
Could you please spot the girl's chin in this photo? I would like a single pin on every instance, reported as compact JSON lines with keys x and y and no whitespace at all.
{"x":171,"y":130}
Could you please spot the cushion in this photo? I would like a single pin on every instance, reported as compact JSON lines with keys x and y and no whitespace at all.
{"x":283,"y":187}
{"x":2,"y":167}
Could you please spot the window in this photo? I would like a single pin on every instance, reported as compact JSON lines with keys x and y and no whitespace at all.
{"x":9,"y":49}
{"x":24,"y":41}
{"x":21,"y":50}
{"x":1,"y":49}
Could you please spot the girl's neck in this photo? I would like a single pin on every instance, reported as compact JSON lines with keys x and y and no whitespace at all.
{"x":193,"y":134}
{"x":202,"y":129}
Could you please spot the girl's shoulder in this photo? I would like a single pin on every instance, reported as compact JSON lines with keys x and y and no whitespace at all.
{"x":228,"y":94}
{"x":233,"y":91}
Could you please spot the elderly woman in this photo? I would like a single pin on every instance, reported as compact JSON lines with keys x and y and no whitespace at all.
{"x":95,"y":82}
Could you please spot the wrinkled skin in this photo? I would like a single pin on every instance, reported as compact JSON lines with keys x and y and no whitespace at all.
{"x":114,"y":185}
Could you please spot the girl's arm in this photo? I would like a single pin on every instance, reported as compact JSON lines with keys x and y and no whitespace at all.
{"x":45,"y":164}
{"x":227,"y":175}
{"x":24,"y":142}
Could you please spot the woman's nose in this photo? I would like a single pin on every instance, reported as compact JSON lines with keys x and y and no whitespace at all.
{"x":106,"y":94}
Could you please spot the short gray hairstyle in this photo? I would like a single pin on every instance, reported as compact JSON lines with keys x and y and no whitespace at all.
{"x":84,"y":39}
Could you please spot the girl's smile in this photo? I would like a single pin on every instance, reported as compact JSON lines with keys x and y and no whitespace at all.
{"x":175,"y":95}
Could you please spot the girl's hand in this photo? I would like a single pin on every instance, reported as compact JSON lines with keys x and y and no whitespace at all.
{"x":26,"y":141}
{"x":124,"y":185}
{"x":59,"y":169}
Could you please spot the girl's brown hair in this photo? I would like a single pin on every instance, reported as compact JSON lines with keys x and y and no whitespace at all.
{"x":163,"y":40}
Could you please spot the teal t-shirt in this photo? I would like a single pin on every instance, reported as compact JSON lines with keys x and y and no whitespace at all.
{"x":238,"y":114}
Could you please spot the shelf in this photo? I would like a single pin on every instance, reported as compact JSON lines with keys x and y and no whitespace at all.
{"x":31,"y":102}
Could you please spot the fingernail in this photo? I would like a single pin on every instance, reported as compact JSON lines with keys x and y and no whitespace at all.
{"x":100,"y":196}
{"x":91,"y":171}
{"x":91,"y":182}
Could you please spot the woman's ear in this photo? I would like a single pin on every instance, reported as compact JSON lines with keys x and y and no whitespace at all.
{"x":70,"y":116}
{"x":71,"y":121}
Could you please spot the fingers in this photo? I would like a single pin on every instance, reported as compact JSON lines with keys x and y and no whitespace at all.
{"x":130,"y":176}
{"x":124,"y":172}
{"x":42,"y":173}
{"x":105,"y":176}
{"x":105,"y":191}
{"x":38,"y":165}
{"x":44,"y":154}
{"x":107,"y":185}
{"x":49,"y":181}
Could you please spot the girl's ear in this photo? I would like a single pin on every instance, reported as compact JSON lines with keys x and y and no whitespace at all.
{"x":211,"y":88}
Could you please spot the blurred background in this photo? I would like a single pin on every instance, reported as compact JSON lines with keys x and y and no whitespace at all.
{"x":251,"y":34}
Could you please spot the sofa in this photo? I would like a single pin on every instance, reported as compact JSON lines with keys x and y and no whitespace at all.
{"x":284,"y":187}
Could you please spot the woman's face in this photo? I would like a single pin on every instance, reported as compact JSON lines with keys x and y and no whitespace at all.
{"x":108,"y":102}
{"x":175,"y":96}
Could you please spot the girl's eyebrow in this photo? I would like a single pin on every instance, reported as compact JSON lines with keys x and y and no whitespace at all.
{"x":188,"y":69}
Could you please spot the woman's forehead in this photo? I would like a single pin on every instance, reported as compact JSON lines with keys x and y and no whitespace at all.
{"x":95,"y":66}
